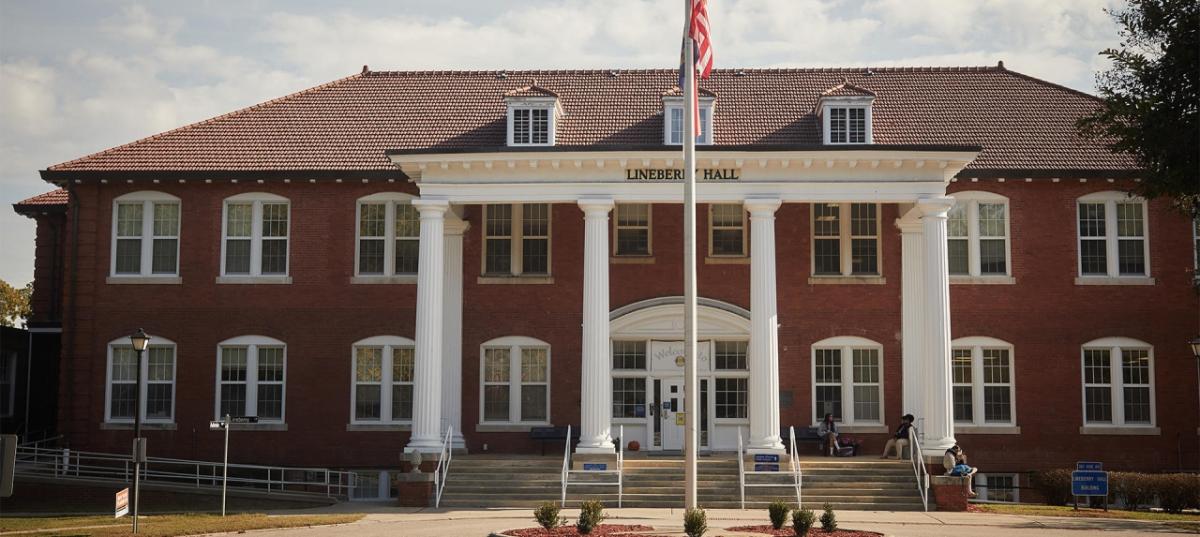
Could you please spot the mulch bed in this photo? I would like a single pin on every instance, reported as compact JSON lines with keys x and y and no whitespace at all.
{"x":787,"y":531}
{"x":570,"y":531}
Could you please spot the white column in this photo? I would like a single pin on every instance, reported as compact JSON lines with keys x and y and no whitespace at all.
{"x":596,"y":386}
{"x":427,"y":391}
{"x":452,"y":306}
{"x":938,"y":409}
{"x":912,"y":340}
{"x":764,"y":328}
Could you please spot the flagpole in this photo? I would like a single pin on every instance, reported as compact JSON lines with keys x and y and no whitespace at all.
{"x":690,"y":393}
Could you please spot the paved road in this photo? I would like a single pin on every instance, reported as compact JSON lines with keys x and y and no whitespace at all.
{"x":388,"y":521}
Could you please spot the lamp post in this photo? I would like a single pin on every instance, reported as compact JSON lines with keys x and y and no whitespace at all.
{"x":140,"y":341}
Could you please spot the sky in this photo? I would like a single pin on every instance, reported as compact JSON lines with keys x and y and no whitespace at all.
{"x":81,"y":76}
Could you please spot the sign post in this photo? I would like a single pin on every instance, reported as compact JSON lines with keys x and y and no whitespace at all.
{"x":224,"y":425}
{"x":122,"y":502}
{"x":1089,"y":479}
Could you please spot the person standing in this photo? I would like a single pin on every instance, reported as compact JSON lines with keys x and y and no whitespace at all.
{"x":900,"y":439}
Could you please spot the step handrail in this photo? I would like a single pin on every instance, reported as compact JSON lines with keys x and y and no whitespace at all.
{"x":443,"y":467}
{"x":620,"y":464}
{"x":741,"y":470}
{"x":919,"y":471}
{"x":566,"y":466}
{"x":797,"y":473}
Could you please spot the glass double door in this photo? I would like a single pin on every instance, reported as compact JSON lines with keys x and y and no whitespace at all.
{"x":670,"y":417}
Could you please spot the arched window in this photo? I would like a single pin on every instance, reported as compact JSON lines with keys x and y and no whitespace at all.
{"x":977,"y":231}
{"x":145,"y":237}
{"x":515,"y":381}
{"x":255,"y":230}
{"x":157,"y":386}
{"x":382,"y":380}
{"x":982,"y":382}
{"x":848,"y":380}
{"x":1113,"y":237}
{"x":251,"y":378}
{"x":388,"y":234}
{"x":1118,"y":383}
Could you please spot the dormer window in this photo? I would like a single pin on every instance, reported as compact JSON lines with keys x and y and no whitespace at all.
{"x":673,"y":117}
{"x":532,"y":114}
{"x":845,"y":112}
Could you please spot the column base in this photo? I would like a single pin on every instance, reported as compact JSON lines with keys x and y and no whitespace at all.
{"x":768,"y":451}
{"x":424,"y":446}
{"x":936,"y":447}
{"x":600,"y":450}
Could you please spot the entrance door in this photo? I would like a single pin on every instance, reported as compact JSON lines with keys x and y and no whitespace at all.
{"x":672,"y":415}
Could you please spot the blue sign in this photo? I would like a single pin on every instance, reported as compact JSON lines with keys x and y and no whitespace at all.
{"x":1089,"y":483}
{"x":766,"y":467}
{"x":595,"y":466}
{"x":1093,"y":466}
{"x":763,"y":457}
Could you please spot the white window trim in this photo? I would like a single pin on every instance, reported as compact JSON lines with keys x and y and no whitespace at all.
{"x":745,"y":233}
{"x":728,"y":374}
{"x":516,"y":236}
{"x":1116,"y":346}
{"x":983,"y":490}
{"x":256,"y":239}
{"x":617,"y":227}
{"x":148,"y":199}
{"x":864,"y":103}
{"x":387,"y":343}
{"x":847,"y":345}
{"x":973,"y":199}
{"x":389,"y":200}
{"x":673,"y":104}
{"x":845,"y":243}
{"x":549,"y":104}
{"x":155,"y":341}
{"x":252,"y":343}
{"x":515,"y":344}
{"x":1111,"y":238}
{"x":978,"y":344}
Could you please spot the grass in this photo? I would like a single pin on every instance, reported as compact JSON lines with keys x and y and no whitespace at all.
{"x":165,"y":525}
{"x":1184,"y":521}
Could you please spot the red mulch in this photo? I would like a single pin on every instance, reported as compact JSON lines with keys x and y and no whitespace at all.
{"x":570,"y":531}
{"x":787,"y":531}
{"x":972,"y":508}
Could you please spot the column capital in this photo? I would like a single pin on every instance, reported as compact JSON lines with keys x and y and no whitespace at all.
{"x":910,"y":222}
{"x":456,"y":226}
{"x":762,"y":206}
{"x":592,"y":206}
{"x":935,"y":207}
{"x":431,"y":207}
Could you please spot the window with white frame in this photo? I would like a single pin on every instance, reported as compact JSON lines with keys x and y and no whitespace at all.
{"x":731,"y":385}
{"x":145,"y":238}
{"x":846,"y":120}
{"x":982,"y":381}
{"x":845,"y":246}
{"x":8,"y":383}
{"x":1112,"y":236}
{"x":1118,"y":382}
{"x":629,"y":379}
{"x":848,"y":380}
{"x":382,"y":391}
{"x":251,"y":373}
{"x":389,"y":232}
{"x":632,"y":224}
{"x":255,"y":234}
{"x":516,"y":381}
{"x":516,"y":239}
{"x":673,"y":119}
{"x":997,"y":487}
{"x":158,"y":381}
{"x":977,"y":235}
{"x":531,"y":121}
{"x":726,"y":230}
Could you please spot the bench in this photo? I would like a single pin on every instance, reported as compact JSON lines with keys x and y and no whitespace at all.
{"x":803,"y":434}
{"x":552,"y":434}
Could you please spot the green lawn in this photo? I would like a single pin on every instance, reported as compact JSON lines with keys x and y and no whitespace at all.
{"x":1184,"y":521}
{"x":166,"y":525}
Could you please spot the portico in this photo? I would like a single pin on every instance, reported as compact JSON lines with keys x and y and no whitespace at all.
{"x":914,"y":178}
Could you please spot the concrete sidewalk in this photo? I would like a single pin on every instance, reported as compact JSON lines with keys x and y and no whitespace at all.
{"x":386,"y":520}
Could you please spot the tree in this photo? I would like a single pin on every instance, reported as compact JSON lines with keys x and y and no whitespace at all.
{"x":1152,"y":98}
{"x":14,"y":303}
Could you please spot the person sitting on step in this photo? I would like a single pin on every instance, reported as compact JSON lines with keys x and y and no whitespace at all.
{"x":828,"y":433}
{"x":900,"y":439}
{"x":955,"y":462}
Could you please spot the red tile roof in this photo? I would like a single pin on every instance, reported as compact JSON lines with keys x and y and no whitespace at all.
{"x":50,"y":201}
{"x":846,"y":89}
{"x":532,"y":90}
{"x":1022,"y":123}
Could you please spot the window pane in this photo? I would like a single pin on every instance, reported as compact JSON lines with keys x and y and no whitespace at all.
{"x":275,"y":220}
{"x":633,"y":214}
{"x":1131,"y":256}
{"x":158,"y":400}
{"x":238,"y":219}
{"x":270,"y":364}
{"x":124,"y":364}
{"x":533,"y":402}
{"x":165,"y":256}
{"x":160,"y":364}
{"x":629,"y":354}
{"x":166,"y":219}
{"x":633,"y":241}
{"x":129,"y":256}
{"x":995,"y":366}
{"x":540,"y":126}
{"x":129,"y":219}
{"x":370,"y":256}
{"x":960,"y":366}
{"x":1091,"y":220}
{"x":862,"y":219}
{"x":992,"y":257}
{"x":533,"y":365}
{"x":408,"y":221}
{"x":233,"y":364}
{"x":407,"y":256}
{"x":732,"y":395}
{"x":535,"y":219}
{"x":495,"y":365}
{"x":237,"y":256}
{"x":829,"y":365}
{"x":521,"y":126}
{"x":706,"y":132}
{"x":1129,"y":220}
{"x":956,"y":252}
{"x":730,"y":355}
{"x":727,"y":242}
{"x":727,"y":215}
{"x":499,"y":220}
{"x":829,"y":401}
{"x":372,"y":219}
{"x":499,"y":256}
{"x":963,"y":404}
{"x":270,"y":401}
{"x":826,"y":221}
{"x":996,"y":404}
{"x":866,"y":403}
{"x":864,"y":256}
{"x":402,"y":402}
{"x":402,"y":364}
{"x":368,"y":364}
{"x":535,"y":256}
{"x":1000,"y":488}
{"x":367,"y":402}
{"x":1093,"y":257}
{"x":992,"y":220}
{"x":1096,"y":364}
{"x":274,"y":256}
{"x":1098,"y":404}
{"x":956,"y":220}
{"x":1137,"y":404}
{"x":495,"y":403}
{"x":827,"y":256}
{"x":233,"y":399}
{"x":676,"y":115}
{"x":629,"y":397}
{"x":121,"y":405}
{"x":837,"y":125}
{"x":858,"y":125}
{"x":866,"y":365}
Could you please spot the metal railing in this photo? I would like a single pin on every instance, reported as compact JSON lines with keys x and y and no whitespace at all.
{"x":66,"y":463}
{"x":797,"y":473}
{"x":793,"y":459}
{"x":443,"y":467}
{"x":41,"y":442}
{"x":566,"y":465}
{"x":918,"y":464}
{"x":619,"y":472}
{"x":741,"y":470}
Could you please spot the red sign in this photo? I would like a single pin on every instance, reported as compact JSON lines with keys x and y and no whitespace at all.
{"x":122,"y":503}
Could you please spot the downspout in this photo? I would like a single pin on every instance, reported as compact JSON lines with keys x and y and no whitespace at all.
{"x":68,"y":339}
{"x":28,"y":378}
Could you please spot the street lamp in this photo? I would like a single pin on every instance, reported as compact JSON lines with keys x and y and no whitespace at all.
{"x":140,"y":342}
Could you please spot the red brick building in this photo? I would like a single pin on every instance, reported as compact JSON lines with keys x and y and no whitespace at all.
{"x":366,"y":263}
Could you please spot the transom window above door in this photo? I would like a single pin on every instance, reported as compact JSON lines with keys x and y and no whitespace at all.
{"x":516,"y":239}
{"x":388,"y":231}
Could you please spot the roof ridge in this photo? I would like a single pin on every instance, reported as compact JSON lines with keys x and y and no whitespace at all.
{"x":214,"y":118}
{"x":732,"y":70}
{"x":1050,"y":84}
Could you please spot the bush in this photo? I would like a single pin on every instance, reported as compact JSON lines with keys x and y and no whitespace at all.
{"x":1176,"y":492}
{"x":802,"y":521}
{"x":1132,"y":488}
{"x":591,"y":514}
{"x":695,"y":523}
{"x":778,"y":512}
{"x":828,"y":519}
{"x":547,"y":515}
{"x":1055,"y":486}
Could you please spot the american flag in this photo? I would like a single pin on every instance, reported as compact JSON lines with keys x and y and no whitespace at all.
{"x":702,"y":51}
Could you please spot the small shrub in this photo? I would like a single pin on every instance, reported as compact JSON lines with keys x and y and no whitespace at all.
{"x":547,"y":515}
{"x":1135,"y":489}
{"x":1055,"y":486}
{"x":778,"y":512}
{"x":802,"y":521}
{"x":1176,"y":492}
{"x":591,"y":514}
{"x":828,"y":519}
{"x":695,"y":522}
